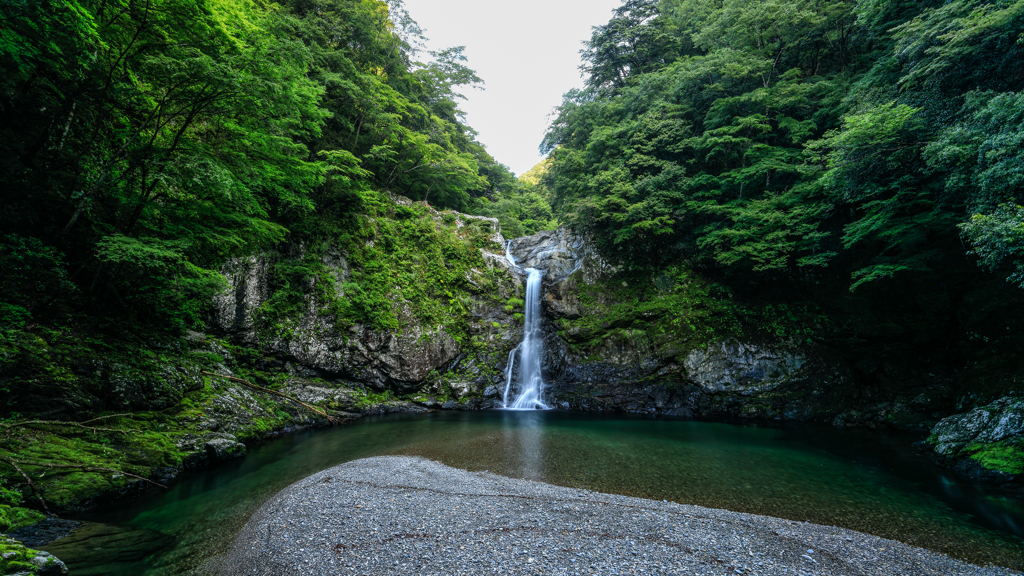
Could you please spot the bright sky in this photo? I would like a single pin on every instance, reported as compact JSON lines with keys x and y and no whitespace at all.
{"x":526,"y":52}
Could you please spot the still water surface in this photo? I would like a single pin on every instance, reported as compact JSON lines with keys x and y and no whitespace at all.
{"x":856,"y":479}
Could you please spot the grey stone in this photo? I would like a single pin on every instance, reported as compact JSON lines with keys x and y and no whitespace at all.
{"x":221,"y":449}
{"x":735,"y":366}
{"x":46,"y":564}
{"x":955,"y":438}
{"x":462,"y":389}
{"x":998,"y":421}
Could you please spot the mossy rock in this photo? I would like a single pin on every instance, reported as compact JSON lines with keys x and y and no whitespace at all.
{"x":15,"y":556}
{"x":1002,"y":457}
{"x":14,"y":517}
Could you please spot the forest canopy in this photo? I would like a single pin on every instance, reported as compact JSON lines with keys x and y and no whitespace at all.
{"x":776,"y":138}
{"x":145,"y":142}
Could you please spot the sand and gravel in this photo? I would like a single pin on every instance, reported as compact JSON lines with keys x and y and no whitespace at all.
{"x":405,"y":515}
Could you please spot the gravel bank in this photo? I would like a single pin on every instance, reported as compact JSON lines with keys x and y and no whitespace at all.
{"x":404,"y":515}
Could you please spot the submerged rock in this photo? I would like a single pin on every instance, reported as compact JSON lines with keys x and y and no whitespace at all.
{"x":95,"y":544}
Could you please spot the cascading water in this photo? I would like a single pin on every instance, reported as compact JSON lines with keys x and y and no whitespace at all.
{"x":531,"y":384}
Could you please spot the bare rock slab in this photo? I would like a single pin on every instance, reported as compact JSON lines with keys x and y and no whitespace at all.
{"x":405,"y":515}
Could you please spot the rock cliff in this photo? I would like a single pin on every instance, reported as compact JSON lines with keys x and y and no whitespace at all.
{"x":614,"y":341}
{"x":668,"y":343}
{"x":416,"y":356}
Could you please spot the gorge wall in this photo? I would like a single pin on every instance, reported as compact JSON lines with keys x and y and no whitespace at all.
{"x":668,"y":348}
{"x":670,"y":344}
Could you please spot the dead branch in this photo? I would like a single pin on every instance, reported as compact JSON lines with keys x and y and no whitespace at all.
{"x":105,"y":417}
{"x":31,"y":485}
{"x":330,"y":418}
{"x":85,"y":469}
{"x":82,"y":425}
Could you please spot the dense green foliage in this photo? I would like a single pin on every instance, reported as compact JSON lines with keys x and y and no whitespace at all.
{"x":145,"y":142}
{"x":522,"y":206}
{"x":801,"y":150}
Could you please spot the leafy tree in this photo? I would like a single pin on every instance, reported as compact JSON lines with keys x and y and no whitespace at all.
{"x":145,"y":142}
{"x":998,"y":239}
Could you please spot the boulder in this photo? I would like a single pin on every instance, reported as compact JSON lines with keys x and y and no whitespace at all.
{"x":223,"y":449}
{"x":985,"y":444}
{"x":47,"y":564}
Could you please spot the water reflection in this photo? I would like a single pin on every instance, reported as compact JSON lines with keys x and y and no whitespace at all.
{"x":523,"y":435}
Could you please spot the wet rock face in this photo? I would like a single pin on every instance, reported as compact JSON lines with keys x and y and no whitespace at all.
{"x":557,"y":252}
{"x":385,"y":359}
{"x":736,"y":366}
{"x":620,"y":367}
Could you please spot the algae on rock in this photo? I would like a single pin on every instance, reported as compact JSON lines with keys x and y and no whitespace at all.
{"x":986,"y":443}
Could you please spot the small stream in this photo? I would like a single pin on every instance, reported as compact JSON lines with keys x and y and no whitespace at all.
{"x":862,"y":480}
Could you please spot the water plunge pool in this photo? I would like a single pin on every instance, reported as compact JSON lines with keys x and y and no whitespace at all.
{"x":872,"y":482}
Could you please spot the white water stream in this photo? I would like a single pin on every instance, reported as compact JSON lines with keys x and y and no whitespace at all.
{"x":530,"y":389}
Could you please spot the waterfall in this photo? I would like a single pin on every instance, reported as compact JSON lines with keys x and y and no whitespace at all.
{"x":531,"y":384}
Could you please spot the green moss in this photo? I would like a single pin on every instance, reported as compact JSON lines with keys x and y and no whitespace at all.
{"x":1001,"y":456}
{"x":631,"y":305}
{"x":15,"y":556}
{"x":12,"y":516}
{"x":72,"y":464}
{"x":402,"y":259}
{"x":677,"y":309}
{"x":368,"y":398}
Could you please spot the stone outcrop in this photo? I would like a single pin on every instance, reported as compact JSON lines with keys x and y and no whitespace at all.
{"x":399,"y":360}
{"x":733,"y":366}
{"x":616,"y":365}
{"x":559,"y":253}
{"x":609,"y":367}
{"x":986,"y":443}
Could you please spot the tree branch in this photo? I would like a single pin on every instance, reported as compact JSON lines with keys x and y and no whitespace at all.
{"x":32,"y":485}
{"x":330,"y":418}
{"x":82,"y":467}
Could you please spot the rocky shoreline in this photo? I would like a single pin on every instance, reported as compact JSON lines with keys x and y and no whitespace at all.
{"x":402,"y":515}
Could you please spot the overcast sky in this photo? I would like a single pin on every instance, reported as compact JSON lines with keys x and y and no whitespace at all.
{"x":527,"y":53}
